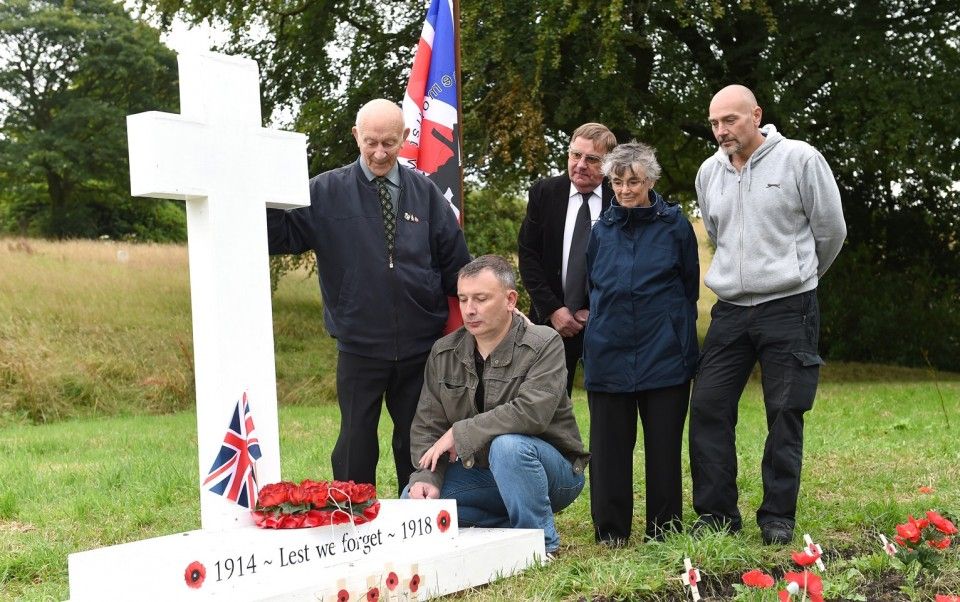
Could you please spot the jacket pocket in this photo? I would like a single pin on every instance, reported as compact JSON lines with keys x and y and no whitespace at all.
{"x":456,"y":398}
{"x":347,"y":292}
{"x":424,"y":289}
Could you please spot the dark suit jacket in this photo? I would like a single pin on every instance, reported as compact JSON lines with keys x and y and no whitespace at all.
{"x":540,"y":243}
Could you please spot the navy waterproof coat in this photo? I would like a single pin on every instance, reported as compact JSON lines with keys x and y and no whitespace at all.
{"x":644,"y":281}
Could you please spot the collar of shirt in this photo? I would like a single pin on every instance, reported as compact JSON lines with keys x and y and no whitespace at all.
{"x":597,"y":192}
{"x":393,"y":176}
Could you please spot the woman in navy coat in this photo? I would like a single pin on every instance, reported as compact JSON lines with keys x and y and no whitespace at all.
{"x":640,"y":346}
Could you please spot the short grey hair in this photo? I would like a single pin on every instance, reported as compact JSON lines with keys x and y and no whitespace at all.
{"x":497,"y":264}
{"x":638,"y":157}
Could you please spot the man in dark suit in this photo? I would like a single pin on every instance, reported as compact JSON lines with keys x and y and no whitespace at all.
{"x":554,"y":234}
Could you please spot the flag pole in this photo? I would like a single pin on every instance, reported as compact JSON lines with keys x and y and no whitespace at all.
{"x":456,"y":37}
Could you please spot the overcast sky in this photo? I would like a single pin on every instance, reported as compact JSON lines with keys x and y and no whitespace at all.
{"x":199,"y":38}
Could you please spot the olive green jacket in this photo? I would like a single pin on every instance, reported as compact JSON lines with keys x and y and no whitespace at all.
{"x":524,"y":384}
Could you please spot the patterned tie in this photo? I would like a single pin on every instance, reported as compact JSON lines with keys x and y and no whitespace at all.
{"x":389,"y":215}
{"x":575,"y":295}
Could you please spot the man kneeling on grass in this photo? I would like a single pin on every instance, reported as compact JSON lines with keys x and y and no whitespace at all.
{"x":494,"y":427}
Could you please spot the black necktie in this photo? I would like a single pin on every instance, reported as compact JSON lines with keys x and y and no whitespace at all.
{"x":389,"y":215}
{"x":575,"y":293}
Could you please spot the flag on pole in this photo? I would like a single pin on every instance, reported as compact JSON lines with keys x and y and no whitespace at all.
{"x":233,"y":474}
{"x":430,"y":106}
{"x":431,"y":111}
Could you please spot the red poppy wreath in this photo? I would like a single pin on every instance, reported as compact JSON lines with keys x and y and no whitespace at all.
{"x":287,"y":505}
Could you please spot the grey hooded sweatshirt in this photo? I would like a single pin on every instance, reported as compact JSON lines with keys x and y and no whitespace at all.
{"x":777,"y":224}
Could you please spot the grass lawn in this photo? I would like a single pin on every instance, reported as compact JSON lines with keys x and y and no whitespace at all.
{"x":98,"y":442}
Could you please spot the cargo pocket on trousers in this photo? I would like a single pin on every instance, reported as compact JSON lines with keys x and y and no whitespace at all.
{"x":808,"y":359}
{"x":803,"y":388}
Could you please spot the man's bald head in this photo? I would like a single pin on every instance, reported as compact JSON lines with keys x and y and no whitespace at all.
{"x":736,"y":94}
{"x":379,"y":133}
{"x":380,"y":109}
{"x":735,"y":119}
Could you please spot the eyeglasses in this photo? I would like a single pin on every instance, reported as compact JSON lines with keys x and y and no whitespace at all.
{"x":631,"y":183}
{"x":593,"y":160}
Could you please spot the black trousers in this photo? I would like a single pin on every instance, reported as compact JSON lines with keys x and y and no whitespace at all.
{"x":572,"y":351}
{"x":613,"y":436}
{"x":783,"y":335}
{"x":362,"y":385}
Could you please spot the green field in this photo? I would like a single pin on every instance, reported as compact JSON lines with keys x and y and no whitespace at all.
{"x":98,"y":441}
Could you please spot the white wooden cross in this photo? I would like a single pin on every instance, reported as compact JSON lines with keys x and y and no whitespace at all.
{"x":813,"y":549}
{"x":690,"y":578}
{"x":216,"y":156}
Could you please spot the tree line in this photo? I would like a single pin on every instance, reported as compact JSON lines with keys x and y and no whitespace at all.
{"x":873,"y":84}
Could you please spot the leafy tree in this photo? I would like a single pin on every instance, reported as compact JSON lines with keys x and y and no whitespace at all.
{"x":873,"y":84}
{"x":69,"y":74}
{"x":322,"y":58}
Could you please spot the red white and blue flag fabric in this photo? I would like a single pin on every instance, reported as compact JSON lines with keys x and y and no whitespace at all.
{"x":430,"y":106}
{"x":233,"y":474}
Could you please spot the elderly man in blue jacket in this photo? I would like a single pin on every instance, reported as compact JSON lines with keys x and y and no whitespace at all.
{"x":388,"y":250}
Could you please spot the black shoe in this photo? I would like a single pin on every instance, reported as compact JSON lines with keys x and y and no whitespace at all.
{"x":776,"y":533}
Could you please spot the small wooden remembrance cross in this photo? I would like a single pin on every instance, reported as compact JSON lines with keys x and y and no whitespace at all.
{"x":814,"y":549}
{"x":690,"y":578}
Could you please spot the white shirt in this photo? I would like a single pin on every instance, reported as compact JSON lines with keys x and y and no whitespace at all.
{"x":573,"y":206}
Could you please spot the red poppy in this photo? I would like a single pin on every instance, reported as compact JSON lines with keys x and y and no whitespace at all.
{"x":942,"y":524}
{"x":805,"y":557}
{"x":313,"y":493}
{"x":373,"y":594}
{"x":339,"y":490}
{"x":415,"y":583}
{"x":443,"y":521}
{"x":901,"y":541}
{"x":343,"y":595}
{"x":315,"y":518}
{"x":783,"y":595}
{"x":300,"y":495}
{"x":274,"y":494}
{"x":910,"y":530}
{"x":371,"y":511}
{"x":266,"y":520}
{"x":340,"y":517}
{"x":362,"y":492}
{"x":940,"y":544}
{"x":757,"y":578}
{"x":925,"y":489}
{"x":195,"y":574}
{"x":392,"y":581}
{"x":942,"y":598}
{"x":291,"y":521}
{"x":809,"y":582}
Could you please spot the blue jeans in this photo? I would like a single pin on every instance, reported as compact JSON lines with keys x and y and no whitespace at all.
{"x":528,"y":480}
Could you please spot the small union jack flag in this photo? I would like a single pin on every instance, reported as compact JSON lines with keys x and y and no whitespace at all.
{"x":233,"y":474}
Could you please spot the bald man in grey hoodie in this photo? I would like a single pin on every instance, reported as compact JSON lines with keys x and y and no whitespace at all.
{"x":772,"y":208}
